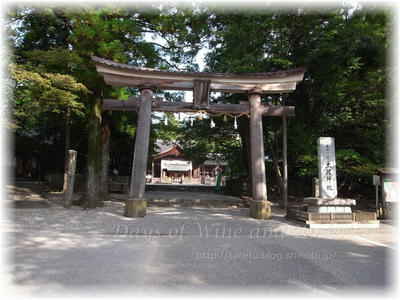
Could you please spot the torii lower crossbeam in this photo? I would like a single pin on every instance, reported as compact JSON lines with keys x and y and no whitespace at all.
{"x":159,"y":105}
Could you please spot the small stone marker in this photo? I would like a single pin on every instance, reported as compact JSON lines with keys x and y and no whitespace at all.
{"x":69,"y":192}
{"x":327,"y":168}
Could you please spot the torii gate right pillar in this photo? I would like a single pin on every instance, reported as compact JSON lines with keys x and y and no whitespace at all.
{"x":260,"y":207}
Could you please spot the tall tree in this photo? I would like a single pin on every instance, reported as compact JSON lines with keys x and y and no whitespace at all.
{"x":39,"y":96}
{"x":37,"y":38}
{"x":118,"y":34}
{"x":343,"y":93}
{"x":163,"y":36}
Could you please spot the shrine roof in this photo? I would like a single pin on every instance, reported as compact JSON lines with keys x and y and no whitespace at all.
{"x":166,"y":149}
{"x":127,"y":75}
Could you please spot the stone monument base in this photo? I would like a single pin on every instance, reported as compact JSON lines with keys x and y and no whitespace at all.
{"x":331,"y":213}
{"x":324,"y":205}
{"x":135,"y":208}
{"x":326,"y":201}
{"x":260,"y":210}
{"x":327,"y":209}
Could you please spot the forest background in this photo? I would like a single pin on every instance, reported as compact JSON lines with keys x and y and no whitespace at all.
{"x":54,"y":94}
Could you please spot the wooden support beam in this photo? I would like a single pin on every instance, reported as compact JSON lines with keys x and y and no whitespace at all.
{"x":157,"y":105}
{"x":201,"y":93}
{"x":277,"y":111}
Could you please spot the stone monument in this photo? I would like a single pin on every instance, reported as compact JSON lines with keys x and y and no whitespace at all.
{"x":327,"y":201}
{"x":325,"y":209}
{"x":327,"y":168}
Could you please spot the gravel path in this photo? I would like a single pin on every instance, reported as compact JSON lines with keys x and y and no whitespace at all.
{"x":53,"y":251}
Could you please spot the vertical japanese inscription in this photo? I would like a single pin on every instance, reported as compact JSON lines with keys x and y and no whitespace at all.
{"x":327,"y":167}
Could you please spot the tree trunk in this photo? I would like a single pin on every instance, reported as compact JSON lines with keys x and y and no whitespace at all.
{"x":284,"y":154}
{"x":67,"y":145}
{"x":277,"y":170}
{"x":105,"y":155}
{"x":94,"y":156}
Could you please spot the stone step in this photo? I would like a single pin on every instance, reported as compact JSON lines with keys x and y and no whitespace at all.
{"x":193,"y":202}
{"x":183,"y":187}
{"x":185,"y":199}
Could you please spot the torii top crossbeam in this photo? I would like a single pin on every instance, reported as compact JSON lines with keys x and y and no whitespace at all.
{"x":267,"y":82}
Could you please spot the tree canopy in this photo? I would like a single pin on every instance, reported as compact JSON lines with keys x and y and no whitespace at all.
{"x":343,"y":94}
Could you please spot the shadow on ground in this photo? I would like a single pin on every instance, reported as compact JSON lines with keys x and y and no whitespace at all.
{"x":183,"y":249}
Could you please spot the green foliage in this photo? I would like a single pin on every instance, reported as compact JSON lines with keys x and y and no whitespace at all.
{"x":39,"y":28}
{"x":124,"y":123}
{"x":56,"y":60}
{"x":36,"y":92}
{"x":351,"y":162}
{"x":168,"y":128}
{"x":307,"y":165}
{"x":342,"y":94}
{"x":201,"y":142}
{"x":354,"y":174}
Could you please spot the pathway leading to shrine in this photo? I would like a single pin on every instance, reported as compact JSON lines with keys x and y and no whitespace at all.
{"x":187,"y":198}
{"x":58,"y":251}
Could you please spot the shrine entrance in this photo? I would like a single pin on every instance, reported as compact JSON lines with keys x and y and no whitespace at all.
{"x":201,"y":83}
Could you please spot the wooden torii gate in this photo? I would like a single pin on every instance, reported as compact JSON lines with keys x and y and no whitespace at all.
{"x":201,"y":83}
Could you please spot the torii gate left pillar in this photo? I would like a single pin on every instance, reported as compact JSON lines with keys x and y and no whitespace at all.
{"x":135,"y":205}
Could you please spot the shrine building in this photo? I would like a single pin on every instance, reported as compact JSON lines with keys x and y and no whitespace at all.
{"x":169,"y":165}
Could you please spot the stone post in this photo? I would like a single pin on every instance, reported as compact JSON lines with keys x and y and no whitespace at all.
{"x":259,"y":206}
{"x":69,"y":186}
{"x":135,"y":205}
